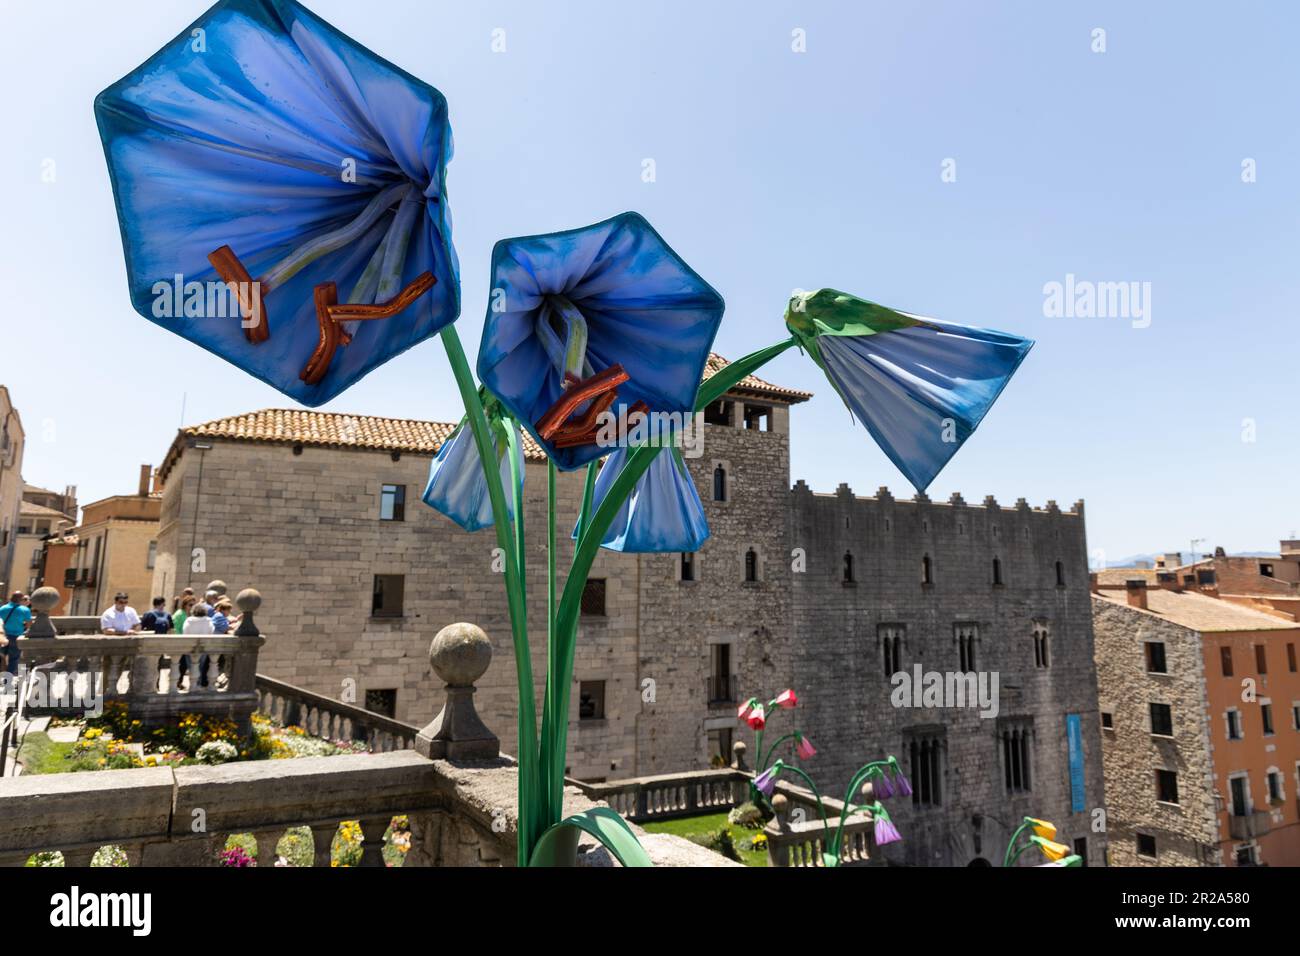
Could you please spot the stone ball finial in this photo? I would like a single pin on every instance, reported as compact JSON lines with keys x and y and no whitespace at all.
{"x":738,"y":750}
{"x":218,"y":586}
{"x":460,"y":654}
{"x":45,"y":599}
{"x":781,"y":809}
{"x":249,"y":599}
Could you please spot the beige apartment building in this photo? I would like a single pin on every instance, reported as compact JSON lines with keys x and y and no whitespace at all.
{"x":36,"y":524}
{"x":116,"y":548}
{"x":831,"y":594}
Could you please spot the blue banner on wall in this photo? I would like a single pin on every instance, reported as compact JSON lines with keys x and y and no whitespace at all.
{"x":1074,"y":733}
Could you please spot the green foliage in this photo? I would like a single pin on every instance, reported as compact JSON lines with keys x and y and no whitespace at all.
{"x":747,"y":815}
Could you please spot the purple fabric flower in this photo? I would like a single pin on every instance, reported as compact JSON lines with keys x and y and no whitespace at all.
{"x":880,"y":785}
{"x":885,"y":831}
{"x":765,"y":782}
{"x":902,"y":783}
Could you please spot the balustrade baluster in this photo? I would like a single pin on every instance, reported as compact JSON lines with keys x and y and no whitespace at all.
{"x":372,"y":840}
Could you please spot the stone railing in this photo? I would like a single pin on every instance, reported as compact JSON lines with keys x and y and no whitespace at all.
{"x":453,"y":785}
{"x":77,"y":674}
{"x":796,"y":835}
{"x":673,"y":795}
{"x":797,"y":838}
{"x":323,"y":716}
{"x":459,"y":815}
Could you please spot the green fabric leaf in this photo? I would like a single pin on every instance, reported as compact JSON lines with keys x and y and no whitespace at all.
{"x":558,"y":845}
{"x":831,"y":312}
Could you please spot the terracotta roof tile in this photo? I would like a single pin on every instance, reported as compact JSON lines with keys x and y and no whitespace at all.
{"x":1201,"y":613}
{"x":336,"y":429}
{"x":300,"y":425}
{"x":754,"y":384}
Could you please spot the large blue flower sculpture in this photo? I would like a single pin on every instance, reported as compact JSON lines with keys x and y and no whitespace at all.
{"x":264,"y":152}
{"x":921,"y":386}
{"x":603,"y":318}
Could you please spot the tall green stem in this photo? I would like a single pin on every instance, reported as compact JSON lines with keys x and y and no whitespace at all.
{"x":857,"y":781}
{"x":821,"y":808}
{"x":529,"y":817}
{"x":555,"y":733}
{"x":1007,"y":858}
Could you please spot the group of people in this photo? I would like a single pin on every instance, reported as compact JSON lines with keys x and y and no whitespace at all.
{"x":213,"y":614}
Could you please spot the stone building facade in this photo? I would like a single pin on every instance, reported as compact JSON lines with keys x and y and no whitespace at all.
{"x":115,"y":548}
{"x":950,"y":588}
{"x":304,"y":506}
{"x":1200,"y":705}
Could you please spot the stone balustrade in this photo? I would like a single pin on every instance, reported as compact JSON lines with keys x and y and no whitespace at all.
{"x":459,"y":815}
{"x":75,"y":674}
{"x":323,"y":716}
{"x":449,"y":780}
{"x":796,"y":838}
{"x":673,"y":795}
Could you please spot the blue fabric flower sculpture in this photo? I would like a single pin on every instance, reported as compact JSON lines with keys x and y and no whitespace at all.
{"x":663,"y":513}
{"x":921,"y":386}
{"x":606,"y":318}
{"x":277,"y":186}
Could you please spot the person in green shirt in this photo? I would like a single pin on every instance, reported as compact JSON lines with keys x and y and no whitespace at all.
{"x":178,"y":622}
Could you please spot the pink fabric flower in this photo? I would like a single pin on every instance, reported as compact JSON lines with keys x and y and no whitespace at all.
{"x":745,"y":708}
{"x":757,"y":719}
{"x":803,"y":748}
{"x":786,"y":699}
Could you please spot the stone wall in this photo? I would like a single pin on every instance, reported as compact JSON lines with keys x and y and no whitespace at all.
{"x":840,"y":667}
{"x":305,"y":529}
{"x":1184,"y":833}
{"x":681,"y":620}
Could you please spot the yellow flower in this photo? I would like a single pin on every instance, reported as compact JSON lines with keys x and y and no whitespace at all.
{"x":1053,"y":851}
{"x":1044,"y":829}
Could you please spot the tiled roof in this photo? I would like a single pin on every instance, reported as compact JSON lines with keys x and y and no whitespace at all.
{"x":753,"y":384}
{"x":335,"y":429}
{"x":303,"y":426}
{"x":1201,"y":613}
{"x":1117,"y":577}
{"x":34,"y":510}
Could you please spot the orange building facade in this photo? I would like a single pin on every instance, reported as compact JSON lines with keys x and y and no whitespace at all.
{"x":1253,"y":690}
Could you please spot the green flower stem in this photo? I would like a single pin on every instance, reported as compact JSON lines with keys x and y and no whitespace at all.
{"x":555,"y":730}
{"x":529,"y":795}
{"x":821,"y":808}
{"x":517,"y":496}
{"x":772,"y":749}
{"x":1007,"y":858}
{"x":545,"y":768}
{"x":854,"y":784}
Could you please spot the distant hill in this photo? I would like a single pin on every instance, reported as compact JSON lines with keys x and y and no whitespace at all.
{"x":1150,"y":559}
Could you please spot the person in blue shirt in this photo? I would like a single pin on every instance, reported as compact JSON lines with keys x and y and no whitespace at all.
{"x":16,"y":615}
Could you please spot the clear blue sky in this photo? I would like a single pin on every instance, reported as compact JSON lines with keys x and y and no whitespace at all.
{"x":777,"y":170}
